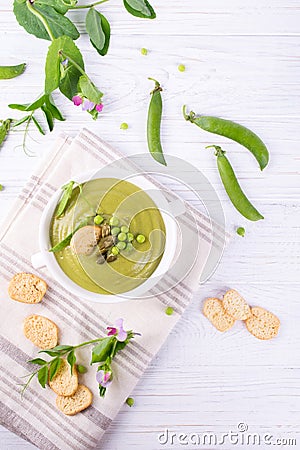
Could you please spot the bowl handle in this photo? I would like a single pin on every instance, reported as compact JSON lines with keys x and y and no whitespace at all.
{"x":38,"y":260}
{"x":177,"y":207}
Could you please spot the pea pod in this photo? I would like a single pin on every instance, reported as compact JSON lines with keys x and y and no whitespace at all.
{"x":233,"y":131}
{"x":7,"y":72}
{"x":154,"y":123}
{"x":232,"y":187}
{"x":68,"y":189}
{"x":4,"y":129}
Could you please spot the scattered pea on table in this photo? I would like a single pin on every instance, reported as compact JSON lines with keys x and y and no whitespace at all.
{"x":169,"y":311}
{"x":130,"y":401}
{"x":241,"y":231}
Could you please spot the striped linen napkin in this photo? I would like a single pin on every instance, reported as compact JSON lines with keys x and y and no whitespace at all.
{"x":35,"y":416}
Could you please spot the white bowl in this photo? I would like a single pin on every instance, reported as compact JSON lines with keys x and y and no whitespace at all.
{"x":168,"y":211}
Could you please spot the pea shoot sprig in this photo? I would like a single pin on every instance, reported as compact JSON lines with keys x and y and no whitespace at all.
{"x":103,"y":353}
{"x":64,"y":69}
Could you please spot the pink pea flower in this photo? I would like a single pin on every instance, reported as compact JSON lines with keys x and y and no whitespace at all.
{"x":99,"y":107}
{"x":88,"y":105}
{"x":118,"y":330}
{"x":103,"y":378}
{"x":77,"y":100}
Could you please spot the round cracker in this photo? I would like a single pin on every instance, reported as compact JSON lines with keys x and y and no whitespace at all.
{"x":263,"y":324}
{"x":79,"y":401}
{"x":41,"y":331}
{"x":64,"y":383}
{"x":235,"y":305}
{"x":214,"y":311}
{"x":27,"y":288}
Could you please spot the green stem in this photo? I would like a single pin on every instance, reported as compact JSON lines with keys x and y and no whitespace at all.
{"x":88,"y":343}
{"x":66,"y":56}
{"x":89,"y":6}
{"x":41,"y":18}
{"x":26,"y":131}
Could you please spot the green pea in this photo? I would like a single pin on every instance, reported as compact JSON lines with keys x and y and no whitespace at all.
{"x":169,"y":311}
{"x":241,"y":231}
{"x":181,"y":68}
{"x":121,"y":245}
{"x":124,"y":126}
{"x":232,"y":187}
{"x":98,"y":219}
{"x":233,"y":131}
{"x":144,"y":51}
{"x":130,"y":237}
{"x":124,"y":229}
{"x":122,"y":236}
{"x":154,"y":123}
{"x":114,"y":221}
{"x":115,"y":251}
{"x":140,"y":238}
{"x":130,"y":401}
{"x":115,"y":231}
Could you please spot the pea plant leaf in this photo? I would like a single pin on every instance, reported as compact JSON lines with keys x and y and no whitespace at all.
{"x":53,"y":108}
{"x":98,"y":29}
{"x":43,"y":376}
{"x":7,"y":72}
{"x":29,"y":106}
{"x":89,"y":90}
{"x":54,"y":367}
{"x":48,"y":116}
{"x":62,"y":348}
{"x":59,"y":5}
{"x":16,"y":123}
{"x":140,"y":8}
{"x":102,"y":350}
{"x":57,"y":23}
{"x":61,"y":49}
{"x":38,"y":361}
{"x":38,"y":125}
{"x":28,"y":21}
{"x":18,"y":106}
{"x":71,"y":360}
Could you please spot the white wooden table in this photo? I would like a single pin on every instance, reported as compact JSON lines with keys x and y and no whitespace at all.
{"x":242,"y":62}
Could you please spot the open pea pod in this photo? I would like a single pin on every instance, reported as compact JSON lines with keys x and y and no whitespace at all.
{"x":233,"y":131}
